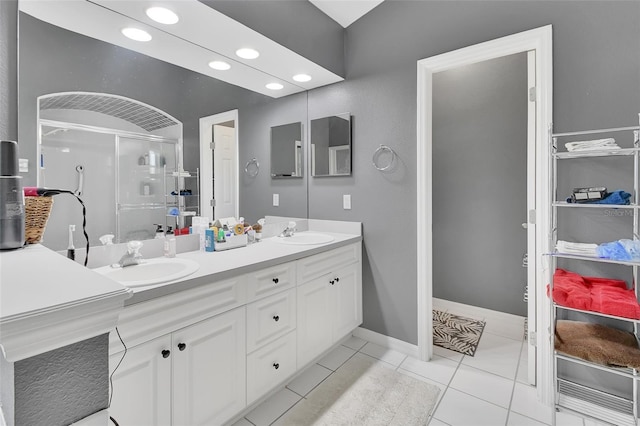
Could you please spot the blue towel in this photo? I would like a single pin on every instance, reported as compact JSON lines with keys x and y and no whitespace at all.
{"x":613,"y":250}
{"x":616,"y":198}
{"x":632,"y":247}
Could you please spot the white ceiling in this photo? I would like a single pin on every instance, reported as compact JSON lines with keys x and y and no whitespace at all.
{"x":202,"y":35}
{"x":346,"y":12}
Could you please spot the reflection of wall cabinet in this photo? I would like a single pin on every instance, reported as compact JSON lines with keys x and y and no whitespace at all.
{"x":200,"y":368}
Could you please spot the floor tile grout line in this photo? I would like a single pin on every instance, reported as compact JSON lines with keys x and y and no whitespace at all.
{"x":513,"y":387}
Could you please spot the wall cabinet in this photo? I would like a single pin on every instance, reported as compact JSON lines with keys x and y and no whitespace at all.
{"x":202,"y":356}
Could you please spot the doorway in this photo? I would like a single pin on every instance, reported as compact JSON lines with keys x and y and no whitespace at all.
{"x":537,"y":44}
{"x":219,"y":165}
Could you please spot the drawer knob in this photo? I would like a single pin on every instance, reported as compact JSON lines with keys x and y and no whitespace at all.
{"x":332,"y":282}
{"x":182,"y":346}
{"x":166,"y":353}
{"x":276,"y":318}
{"x":276,"y":365}
{"x":275,"y":280}
{"x":337,"y":279}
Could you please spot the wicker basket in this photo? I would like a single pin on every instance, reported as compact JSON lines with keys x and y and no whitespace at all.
{"x":36,"y":214}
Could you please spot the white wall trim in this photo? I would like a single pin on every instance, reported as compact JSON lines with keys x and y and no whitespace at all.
{"x":540,"y":40}
{"x":206,"y":162}
{"x":386,"y":341}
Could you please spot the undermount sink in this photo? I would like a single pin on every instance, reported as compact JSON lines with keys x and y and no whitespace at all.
{"x":151,"y":271}
{"x":302,"y":238}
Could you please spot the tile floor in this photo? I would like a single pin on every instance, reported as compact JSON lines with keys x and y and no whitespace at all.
{"x":487,"y":389}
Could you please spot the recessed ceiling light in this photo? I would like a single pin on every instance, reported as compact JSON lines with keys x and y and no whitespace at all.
{"x":247,"y":53}
{"x":162,"y":15}
{"x":302,"y":77}
{"x":219,"y":65}
{"x":274,"y":86}
{"x":136,"y":34}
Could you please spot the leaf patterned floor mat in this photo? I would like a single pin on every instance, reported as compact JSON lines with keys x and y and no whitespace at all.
{"x":456,"y":333}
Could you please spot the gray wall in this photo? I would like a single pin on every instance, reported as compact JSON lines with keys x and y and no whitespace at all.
{"x":296,"y":24}
{"x":8,"y":70}
{"x":64,"y":385}
{"x":480,"y":183}
{"x":254,"y":130}
{"x":596,"y":75}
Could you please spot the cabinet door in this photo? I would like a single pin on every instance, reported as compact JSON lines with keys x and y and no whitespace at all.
{"x":142,"y":384}
{"x":347,"y":290}
{"x":314,"y":319}
{"x":209,"y":370}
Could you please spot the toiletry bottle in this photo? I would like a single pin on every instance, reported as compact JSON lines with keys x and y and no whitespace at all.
{"x":71,"y":250}
{"x":170,"y":243}
{"x":209,"y":240}
{"x":159,"y":231}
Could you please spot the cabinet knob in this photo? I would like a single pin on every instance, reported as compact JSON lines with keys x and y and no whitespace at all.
{"x":182,"y":346}
{"x":276,"y":365}
{"x":332,"y":282}
{"x":166,"y":353}
{"x":276,"y":318}
{"x":337,"y":279}
{"x":275,"y":280}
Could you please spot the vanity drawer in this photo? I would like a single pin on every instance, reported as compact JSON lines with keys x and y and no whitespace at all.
{"x":318,"y":265}
{"x":271,"y":280}
{"x":270,"y":366}
{"x":270,"y":318}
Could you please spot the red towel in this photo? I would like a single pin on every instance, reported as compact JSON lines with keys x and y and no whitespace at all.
{"x":604,"y":295}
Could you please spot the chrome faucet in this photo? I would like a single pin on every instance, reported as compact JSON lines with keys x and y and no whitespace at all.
{"x":289,"y":230}
{"x":132,"y":256}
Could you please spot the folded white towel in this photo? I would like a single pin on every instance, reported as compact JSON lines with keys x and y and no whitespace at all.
{"x":607,"y":143}
{"x":583,"y":249}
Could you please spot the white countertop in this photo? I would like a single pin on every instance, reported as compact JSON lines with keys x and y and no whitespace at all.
{"x":42,"y":292}
{"x":220,"y":265}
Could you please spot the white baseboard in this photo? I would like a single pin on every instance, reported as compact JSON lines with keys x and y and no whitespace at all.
{"x":387,"y":341}
{"x":500,"y":323}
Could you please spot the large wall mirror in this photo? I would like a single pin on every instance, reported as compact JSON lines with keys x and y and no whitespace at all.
{"x":286,"y":151}
{"x":55,"y":60}
{"x":331,"y":145}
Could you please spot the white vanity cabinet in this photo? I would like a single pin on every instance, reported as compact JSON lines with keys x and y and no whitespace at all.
{"x":193,"y":376}
{"x":204,"y":355}
{"x":329,"y":303}
{"x":142,"y":384}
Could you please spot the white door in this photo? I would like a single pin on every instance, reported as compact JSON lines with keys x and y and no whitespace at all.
{"x":142,"y":384}
{"x":219,"y":165}
{"x":209,"y":370}
{"x":347,"y":302}
{"x":224,"y":171}
{"x":530,"y":224}
{"x":315,"y":325}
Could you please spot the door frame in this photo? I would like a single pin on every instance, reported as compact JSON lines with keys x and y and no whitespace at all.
{"x":206,"y":160}
{"x":540,"y":41}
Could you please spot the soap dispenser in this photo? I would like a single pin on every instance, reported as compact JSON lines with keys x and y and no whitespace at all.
{"x":170,"y":243}
{"x":159,"y":231}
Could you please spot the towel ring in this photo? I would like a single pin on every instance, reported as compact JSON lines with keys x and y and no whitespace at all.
{"x":252,"y":167}
{"x":380,"y":151}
